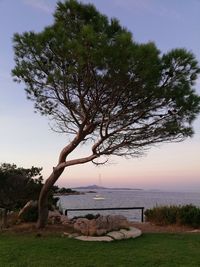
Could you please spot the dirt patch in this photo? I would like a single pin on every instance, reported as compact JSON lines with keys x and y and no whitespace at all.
{"x":152,"y":228}
{"x":30,"y":228}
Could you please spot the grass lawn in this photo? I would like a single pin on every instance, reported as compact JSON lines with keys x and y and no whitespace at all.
{"x":166,"y":250}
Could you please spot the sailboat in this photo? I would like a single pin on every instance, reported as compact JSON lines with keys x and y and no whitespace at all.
{"x":99,"y":196}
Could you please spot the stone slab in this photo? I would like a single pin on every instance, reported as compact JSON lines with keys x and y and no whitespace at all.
{"x":131,"y":233}
{"x":94,"y":238}
{"x":116,"y":235}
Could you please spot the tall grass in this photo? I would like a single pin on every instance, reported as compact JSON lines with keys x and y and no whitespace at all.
{"x":188,"y":215}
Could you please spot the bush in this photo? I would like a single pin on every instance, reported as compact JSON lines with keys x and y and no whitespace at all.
{"x":162,"y":215}
{"x":31,"y":215}
{"x":165,"y":215}
{"x":91,"y":216}
{"x":189,"y":215}
{"x":88,"y":216}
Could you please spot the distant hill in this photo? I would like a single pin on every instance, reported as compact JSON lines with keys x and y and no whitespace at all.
{"x":91,"y":187}
{"x":96,"y":187}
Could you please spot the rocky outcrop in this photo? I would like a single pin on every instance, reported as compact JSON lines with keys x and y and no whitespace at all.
{"x":82,"y":225}
{"x":101,"y":225}
{"x":104,"y":228}
{"x":55,"y":217}
{"x":64,"y":220}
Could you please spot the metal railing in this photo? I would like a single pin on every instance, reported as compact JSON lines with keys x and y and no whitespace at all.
{"x":121,"y":208}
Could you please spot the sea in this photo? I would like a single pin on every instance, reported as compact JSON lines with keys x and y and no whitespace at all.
{"x":124,"y":198}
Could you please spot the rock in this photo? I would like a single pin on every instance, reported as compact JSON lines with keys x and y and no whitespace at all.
{"x":100,"y":232}
{"x":102,"y":222}
{"x":101,"y":225}
{"x":54,"y":217}
{"x":111,"y":222}
{"x":92,"y":228}
{"x":132,"y":233}
{"x":73,"y":235}
{"x":64,"y":219}
{"x":82,"y":225}
{"x":53,"y":213}
{"x":194,"y":231}
{"x":117,"y":222}
{"x":116,"y":235}
{"x":94,"y":238}
{"x":65,"y":234}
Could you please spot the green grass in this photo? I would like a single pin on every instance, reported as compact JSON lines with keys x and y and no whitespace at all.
{"x":166,"y":250}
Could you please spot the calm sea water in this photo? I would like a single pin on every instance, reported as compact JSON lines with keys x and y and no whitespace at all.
{"x":125,"y":198}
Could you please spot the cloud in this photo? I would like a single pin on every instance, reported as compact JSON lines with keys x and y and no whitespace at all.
{"x":42,"y":5}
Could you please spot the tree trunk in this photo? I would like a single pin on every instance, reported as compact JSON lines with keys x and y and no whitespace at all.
{"x":57,"y":171}
{"x":4,"y":219}
{"x":43,"y":198}
{"x":43,"y":213}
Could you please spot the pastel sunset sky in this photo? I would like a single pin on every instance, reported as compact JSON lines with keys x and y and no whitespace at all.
{"x":26,"y":138}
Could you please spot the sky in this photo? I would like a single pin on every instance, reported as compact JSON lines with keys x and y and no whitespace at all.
{"x":26,"y":138}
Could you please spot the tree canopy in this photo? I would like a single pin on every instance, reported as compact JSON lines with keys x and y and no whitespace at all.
{"x":88,"y":74}
{"x":18,"y":185}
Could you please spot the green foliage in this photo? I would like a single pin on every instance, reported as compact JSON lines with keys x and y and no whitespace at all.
{"x":88,"y":216}
{"x":64,"y":190}
{"x":18,"y":185}
{"x":182,"y":215}
{"x":31,"y":215}
{"x":162,"y":215}
{"x":86,"y":70}
{"x":189,"y":215}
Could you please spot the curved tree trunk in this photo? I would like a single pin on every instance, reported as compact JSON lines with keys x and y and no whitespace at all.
{"x":57,"y":171}
{"x":43,"y":199}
